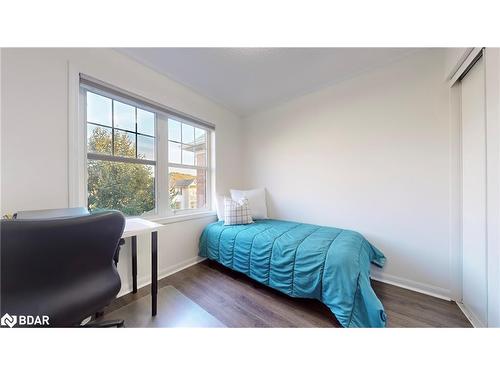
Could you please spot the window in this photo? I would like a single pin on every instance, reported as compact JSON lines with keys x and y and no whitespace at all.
{"x":121,"y":156}
{"x":143,"y":161}
{"x":187,"y":166}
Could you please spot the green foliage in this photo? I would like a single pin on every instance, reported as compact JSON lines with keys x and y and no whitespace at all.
{"x":126,"y":187}
{"x":173,"y":192}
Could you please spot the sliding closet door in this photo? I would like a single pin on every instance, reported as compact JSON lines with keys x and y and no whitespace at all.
{"x":474,"y":193}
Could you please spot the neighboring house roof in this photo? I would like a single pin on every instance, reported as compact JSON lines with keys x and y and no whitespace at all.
{"x":183,"y":183}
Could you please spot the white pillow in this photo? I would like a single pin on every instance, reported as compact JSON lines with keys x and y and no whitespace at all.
{"x":256,"y":201}
{"x":220,"y":207}
{"x":236,"y":212}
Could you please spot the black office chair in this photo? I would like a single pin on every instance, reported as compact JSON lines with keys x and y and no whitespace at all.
{"x":62,"y":268}
{"x":59,"y":213}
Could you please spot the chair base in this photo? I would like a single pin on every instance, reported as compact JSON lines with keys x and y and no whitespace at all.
{"x":119,"y":323}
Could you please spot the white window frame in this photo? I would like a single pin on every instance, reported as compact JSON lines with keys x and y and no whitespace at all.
{"x":120,"y":159}
{"x":206,"y":168}
{"x":77,"y":158}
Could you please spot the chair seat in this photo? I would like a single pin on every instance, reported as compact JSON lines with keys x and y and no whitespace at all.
{"x":67,"y":305}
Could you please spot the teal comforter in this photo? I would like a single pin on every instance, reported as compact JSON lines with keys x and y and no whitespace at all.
{"x":303,"y":260}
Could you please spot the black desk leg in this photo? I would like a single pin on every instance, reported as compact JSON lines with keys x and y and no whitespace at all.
{"x":134,"y":264}
{"x":154,"y":271}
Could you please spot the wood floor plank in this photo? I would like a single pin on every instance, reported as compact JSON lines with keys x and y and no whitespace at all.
{"x":238,"y":301}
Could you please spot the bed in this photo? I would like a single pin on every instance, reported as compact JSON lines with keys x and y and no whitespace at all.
{"x":303,"y":260}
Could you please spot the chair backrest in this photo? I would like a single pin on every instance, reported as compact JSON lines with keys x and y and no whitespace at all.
{"x":56,"y":213}
{"x":61,"y":267}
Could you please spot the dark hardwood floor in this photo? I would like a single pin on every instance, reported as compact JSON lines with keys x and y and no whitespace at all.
{"x":238,"y":301}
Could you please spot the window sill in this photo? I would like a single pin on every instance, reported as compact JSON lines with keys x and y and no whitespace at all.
{"x":183,"y":217}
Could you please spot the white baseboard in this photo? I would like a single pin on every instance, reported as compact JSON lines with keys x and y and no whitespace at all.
{"x":426,"y":289}
{"x":146,"y":280}
{"x":476,"y":323}
{"x":430,"y":290}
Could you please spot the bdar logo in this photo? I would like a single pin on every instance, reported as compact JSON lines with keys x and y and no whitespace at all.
{"x":8,"y":320}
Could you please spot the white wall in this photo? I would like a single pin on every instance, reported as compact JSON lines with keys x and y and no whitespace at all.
{"x":34,"y":138}
{"x":370,"y":154}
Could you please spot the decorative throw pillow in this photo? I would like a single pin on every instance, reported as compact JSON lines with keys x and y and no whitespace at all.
{"x":256,"y":201}
{"x":236,"y":212}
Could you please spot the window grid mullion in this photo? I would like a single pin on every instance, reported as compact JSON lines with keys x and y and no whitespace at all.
{"x":97,"y":124}
{"x":113,"y":127}
{"x":119,"y":159}
{"x":186,"y":166}
{"x":161,"y":132}
{"x":136,"y":140}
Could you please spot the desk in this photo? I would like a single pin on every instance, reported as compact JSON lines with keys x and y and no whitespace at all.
{"x":134,"y":227}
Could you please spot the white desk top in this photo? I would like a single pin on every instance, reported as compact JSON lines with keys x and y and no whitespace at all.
{"x":136,"y":226}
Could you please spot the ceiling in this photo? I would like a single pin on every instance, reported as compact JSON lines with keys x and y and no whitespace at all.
{"x":248,"y":80}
